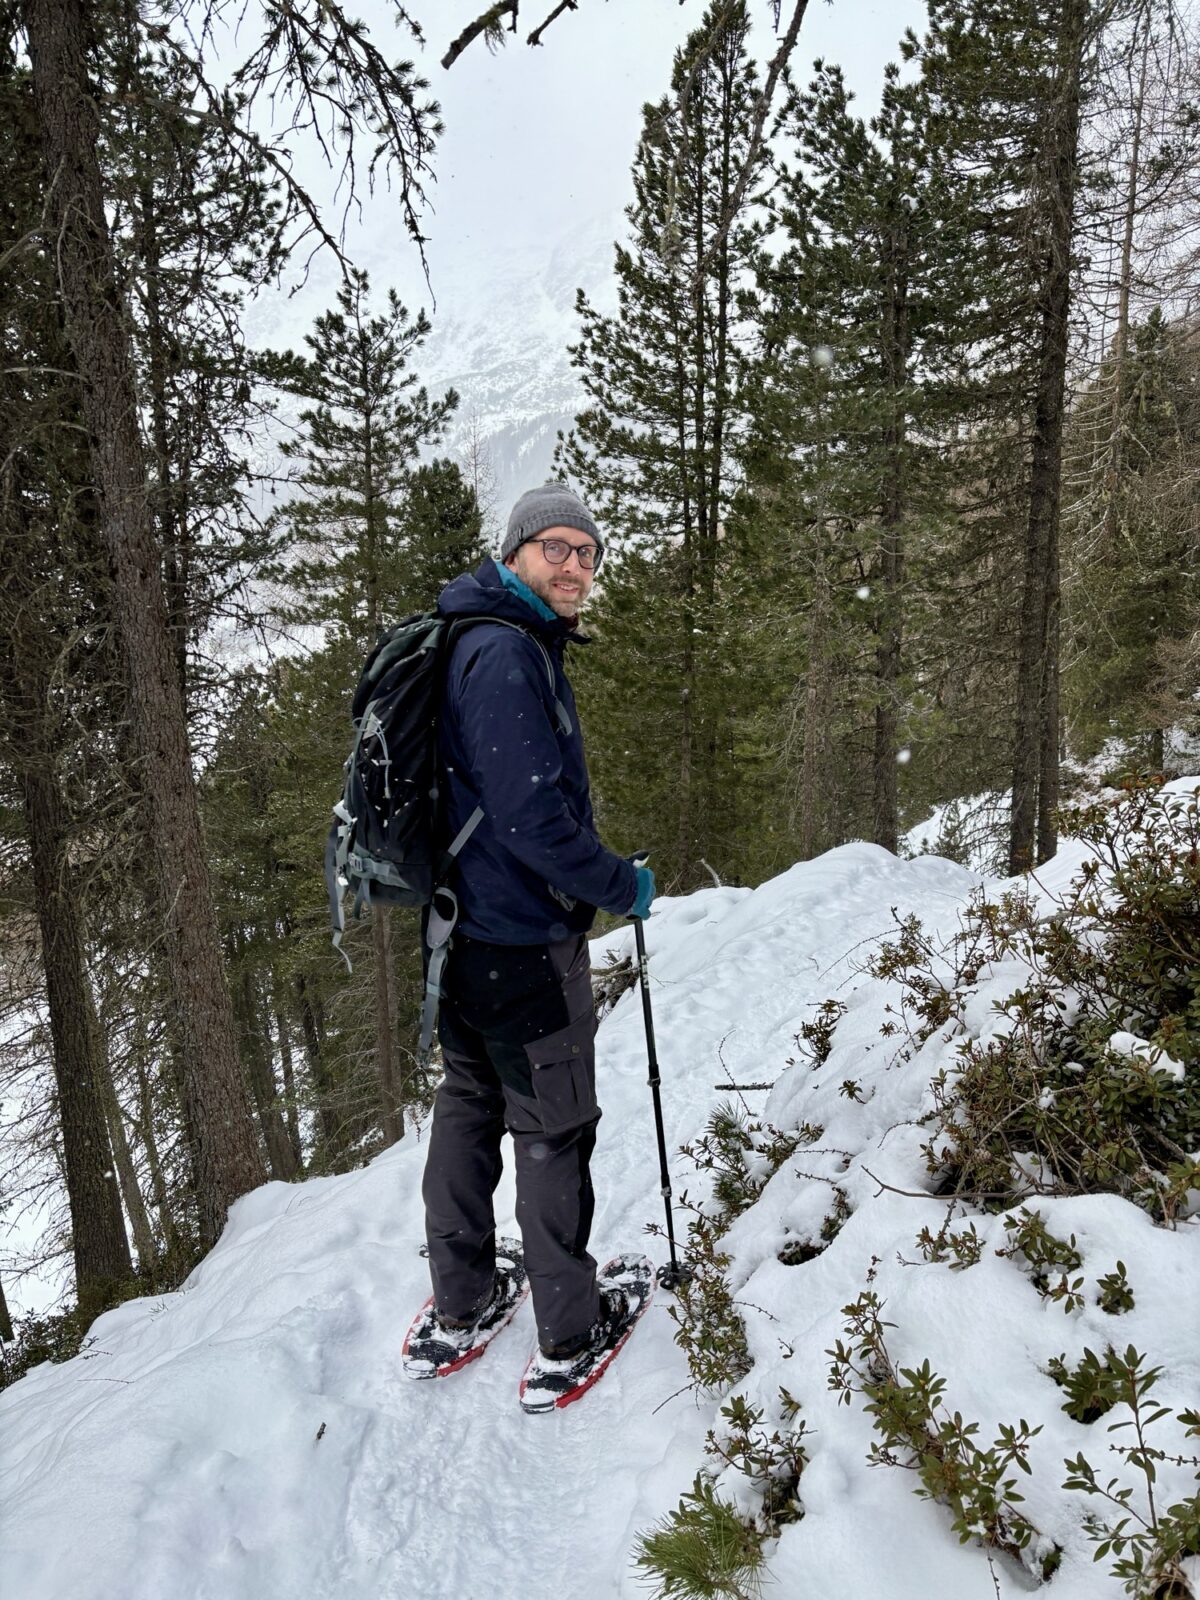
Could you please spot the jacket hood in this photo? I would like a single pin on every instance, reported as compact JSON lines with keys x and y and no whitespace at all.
{"x":482,"y":593}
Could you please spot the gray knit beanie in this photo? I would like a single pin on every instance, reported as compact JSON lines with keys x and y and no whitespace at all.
{"x":551,"y":506}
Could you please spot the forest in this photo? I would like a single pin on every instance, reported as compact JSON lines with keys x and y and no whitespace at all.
{"x":894,"y":434}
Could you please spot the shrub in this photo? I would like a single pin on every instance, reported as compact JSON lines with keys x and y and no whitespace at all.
{"x":1094,"y":1086}
{"x":702,"y":1550}
{"x":741,"y":1154}
{"x":706,"y":1547}
{"x":54,"y":1337}
{"x":1151,"y":1542}
{"x":1048,"y":1258}
{"x":916,"y":1431}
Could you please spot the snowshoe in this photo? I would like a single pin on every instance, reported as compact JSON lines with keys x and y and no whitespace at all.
{"x":432,"y":1350}
{"x":626,"y":1286}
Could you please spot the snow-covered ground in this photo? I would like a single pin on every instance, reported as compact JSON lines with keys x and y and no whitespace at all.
{"x":252,"y":1437}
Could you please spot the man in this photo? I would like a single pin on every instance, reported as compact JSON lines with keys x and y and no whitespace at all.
{"x":517,"y":1024}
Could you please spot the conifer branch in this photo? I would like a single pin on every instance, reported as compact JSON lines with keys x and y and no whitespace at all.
{"x":755,"y":145}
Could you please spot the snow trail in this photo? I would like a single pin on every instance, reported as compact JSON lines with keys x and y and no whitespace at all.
{"x":252,"y":1437}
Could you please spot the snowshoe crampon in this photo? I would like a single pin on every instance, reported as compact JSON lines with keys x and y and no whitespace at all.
{"x":626,"y":1285}
{"x":433,"y":1351}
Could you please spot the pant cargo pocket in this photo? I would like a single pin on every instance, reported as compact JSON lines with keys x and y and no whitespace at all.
{"x":563,"y":1071}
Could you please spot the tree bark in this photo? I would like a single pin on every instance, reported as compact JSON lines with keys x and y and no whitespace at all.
{"x":391,"y":1110}
{"x":1035,"y":742}
{"x":818,"y":675}
{"x":6,"y":1327}
{"x":280,"y":1154}
{"x":283,"y":1028}
{"x":332,"y":1134}
{"x":97,"y":1227}
{"x":816,"y":698}
{"x":227,"y":1157}
{"x":885,"y":799}
{"x":1116,"y":441}
{"x":131,"y":1194}
{"x":168,"y":504}
{"x":158,"y":1182}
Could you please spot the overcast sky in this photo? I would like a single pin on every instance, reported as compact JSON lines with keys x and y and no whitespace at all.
{"x":539,"y":142}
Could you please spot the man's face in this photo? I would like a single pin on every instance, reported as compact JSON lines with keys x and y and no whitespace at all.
{"x":564,"y":587}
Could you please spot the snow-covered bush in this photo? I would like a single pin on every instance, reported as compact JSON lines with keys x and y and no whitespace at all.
{"x":738,"y":1154}
{"x":917,"y":1430}
{"x":1022,"y":1079}
{"x":1089,"y":1081}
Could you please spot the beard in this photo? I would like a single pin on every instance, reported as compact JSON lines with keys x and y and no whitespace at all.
{"x":562,"y":604}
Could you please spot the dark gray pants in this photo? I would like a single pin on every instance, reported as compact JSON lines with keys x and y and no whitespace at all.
{"x":517,"y":1030}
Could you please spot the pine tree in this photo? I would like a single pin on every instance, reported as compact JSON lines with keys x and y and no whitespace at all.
{"x":227,"y":1160}
{"x":51,"y":612}
{"x":349,"y":559}
{"x":1131,"y":550}
{"x":841,"y":476}
{"x":653,"y":454}
{"x":1007,"y":79}
{"x":344,"y":556}
{"x":442,"y":530}
{"x":194,"y":235}
{"x":73,"y":80}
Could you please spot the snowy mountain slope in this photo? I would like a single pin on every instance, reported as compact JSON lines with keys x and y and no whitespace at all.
{"x":506,"y":352}
{"x":251,"y":1435}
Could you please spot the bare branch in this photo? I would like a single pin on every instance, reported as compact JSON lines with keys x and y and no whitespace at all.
{"x":754,"y":148}
{"x":487,"y":23}
{"x":566,"y":5}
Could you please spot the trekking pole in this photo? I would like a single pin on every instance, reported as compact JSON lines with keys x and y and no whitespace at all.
{"x":673,"y":1276}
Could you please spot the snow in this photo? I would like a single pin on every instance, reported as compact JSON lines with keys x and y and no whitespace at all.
{"x":251,"y":1436}
{"x":1155,"y":1057}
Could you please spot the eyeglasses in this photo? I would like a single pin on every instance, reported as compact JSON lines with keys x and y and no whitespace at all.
{"x":557,"y":551}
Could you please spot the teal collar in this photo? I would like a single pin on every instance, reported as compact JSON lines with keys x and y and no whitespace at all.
{"x":519,"y":587}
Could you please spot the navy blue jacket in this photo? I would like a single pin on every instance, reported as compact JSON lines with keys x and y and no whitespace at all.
{"x":533,"y":871}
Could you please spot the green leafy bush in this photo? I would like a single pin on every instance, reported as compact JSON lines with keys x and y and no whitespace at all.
{"x":1151,"y":1542}
{"x":1091,"y":1387}
{"x":741,"y":1154}
{"x":706,"y":1547}
{"x":917,"y":1431}
{"x":1047,"y":1258}
{"x":1058,"y":1101}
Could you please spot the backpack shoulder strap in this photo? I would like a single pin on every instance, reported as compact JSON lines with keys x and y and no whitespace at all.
{"x":560,"y":711}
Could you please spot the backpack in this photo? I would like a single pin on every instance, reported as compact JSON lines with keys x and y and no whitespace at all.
{"x":384,"y":842}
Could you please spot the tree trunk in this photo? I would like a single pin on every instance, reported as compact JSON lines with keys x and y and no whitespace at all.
{"x":283,"y":1028}
{"x":6,"y":1328}
{"x":169,"y":509}
{"x":131,"y":1194}
{"x":227,"y":1158}
{"x":1114,"y":470}
{"x":158,"y":1182}
{"x":262,"y":1084}
{"x":332,"y":1135}
{"x":391,"y":1110}
{"x":886,"y":804}
{"x":1048,"y":765}
{"x":390,"y":1104}
{"x":817,"y":694}
{"x":97,"y":1227}
{"x":1035,"y":742}
{"x":816,"y":699}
